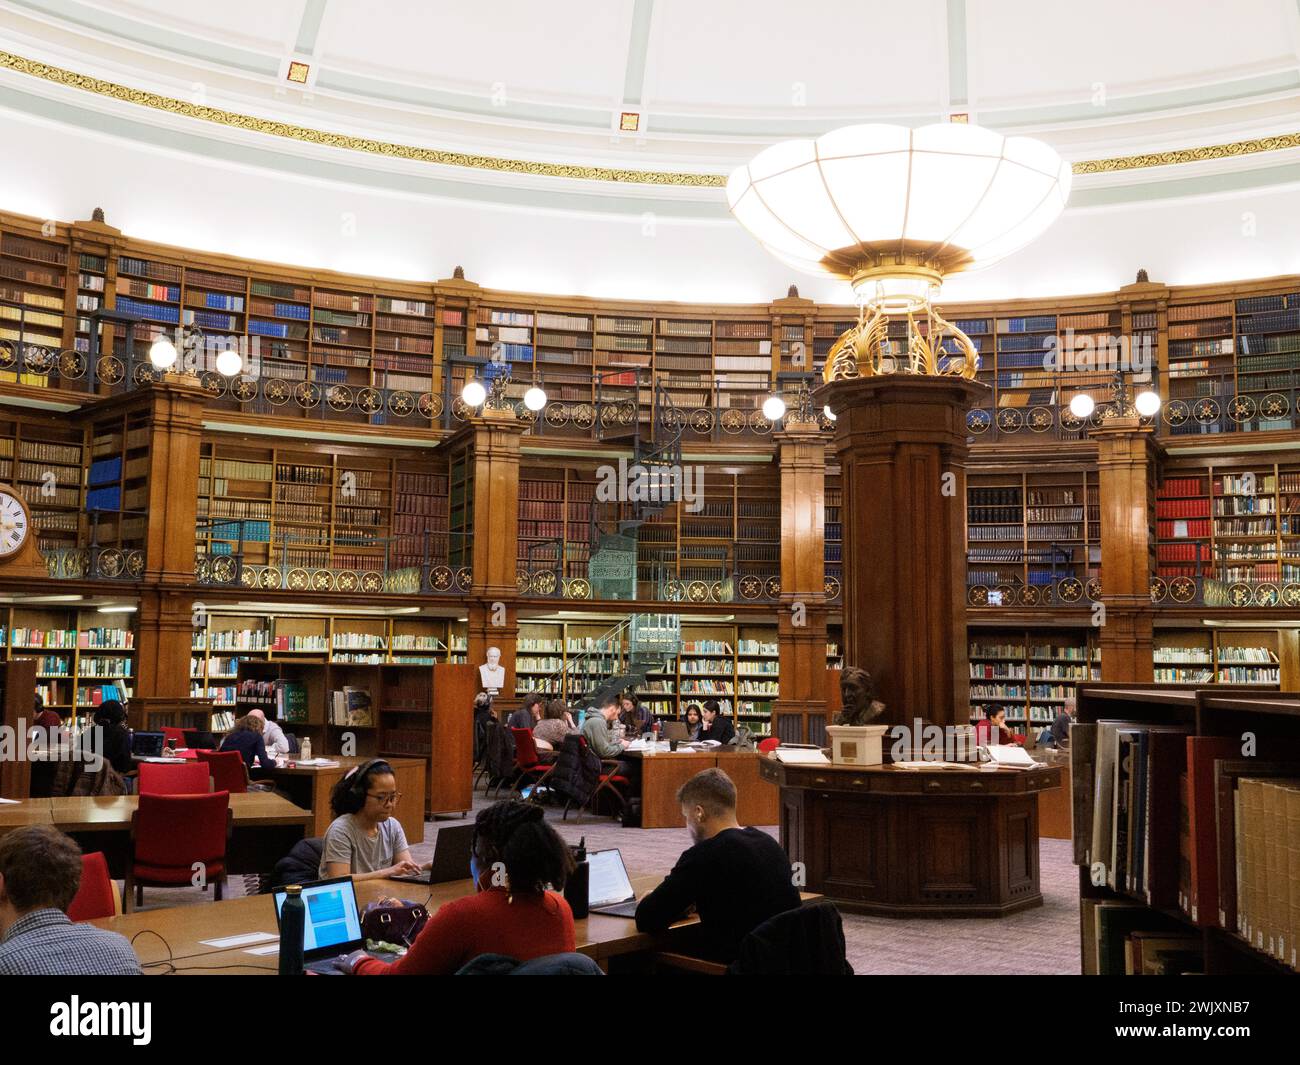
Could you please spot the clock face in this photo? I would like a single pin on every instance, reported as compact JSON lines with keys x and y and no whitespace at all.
{"x":14,"y":524}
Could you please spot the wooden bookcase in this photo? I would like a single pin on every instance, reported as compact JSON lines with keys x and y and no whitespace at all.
{"x":1031,"y":673}
{"x":735,"y":663}
{"x":1215,"y":945}
{"x":1239,"y":519}
{"x":75,"y":651}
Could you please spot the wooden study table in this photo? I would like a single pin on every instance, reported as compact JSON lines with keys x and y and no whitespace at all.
{"x":310,"y":786}
{"x":599,"y":936}
{"x":757,"y":800}
{"x":264,"y":826}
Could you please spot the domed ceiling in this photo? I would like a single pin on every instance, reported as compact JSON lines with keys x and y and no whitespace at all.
{"x":403,"y":138}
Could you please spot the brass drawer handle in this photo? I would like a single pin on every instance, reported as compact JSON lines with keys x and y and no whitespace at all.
{"x":977,"y":785}
{"x":819,"y":780}
{"x":932,"y":785}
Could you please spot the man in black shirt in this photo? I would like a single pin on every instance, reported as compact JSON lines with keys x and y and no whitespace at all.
{"x":736,"y":878}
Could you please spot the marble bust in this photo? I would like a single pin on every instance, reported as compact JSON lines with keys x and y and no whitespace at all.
{"x":492,"y":673}
{"x":858,"y":694}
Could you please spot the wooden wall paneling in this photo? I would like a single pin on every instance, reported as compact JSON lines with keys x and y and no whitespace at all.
{"x":450,"y":787}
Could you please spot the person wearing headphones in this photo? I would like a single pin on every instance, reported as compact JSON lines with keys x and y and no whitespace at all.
{"x":519,"y":863}
{"x":365,"y":841}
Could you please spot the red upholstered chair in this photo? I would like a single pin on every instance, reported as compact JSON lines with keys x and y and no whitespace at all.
{"x":173,"y":736}
{"x":160,"y":778}
{"x":170,"y":835}
{"x":226,"y":769}
{"x":528,"y":764}
{"x":608,"y":781}
{"x":97,"y":896}
{"x":769,"y":745}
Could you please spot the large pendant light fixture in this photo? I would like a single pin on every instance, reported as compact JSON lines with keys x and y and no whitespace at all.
{"x":894,"y":211}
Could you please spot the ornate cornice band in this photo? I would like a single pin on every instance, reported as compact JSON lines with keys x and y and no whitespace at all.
{"x":271,"y":127}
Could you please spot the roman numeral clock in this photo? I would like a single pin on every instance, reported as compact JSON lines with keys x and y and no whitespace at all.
{"x":19,"y":556}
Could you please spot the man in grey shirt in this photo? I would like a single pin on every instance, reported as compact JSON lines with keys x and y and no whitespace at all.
{"x":40,"y":871}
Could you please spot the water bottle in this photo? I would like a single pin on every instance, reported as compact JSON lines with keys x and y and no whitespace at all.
{"x":578,"y":884}
{"x":304,"y":750}
{"x":293,"y":918}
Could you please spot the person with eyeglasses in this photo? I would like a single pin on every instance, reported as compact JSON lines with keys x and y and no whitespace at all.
{"x":365,"y":841}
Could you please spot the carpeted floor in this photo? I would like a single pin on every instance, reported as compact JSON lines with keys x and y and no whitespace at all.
{"x":1042,"y":941}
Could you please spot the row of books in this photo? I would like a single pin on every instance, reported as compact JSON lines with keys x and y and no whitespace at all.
{"x":1237,"y":820}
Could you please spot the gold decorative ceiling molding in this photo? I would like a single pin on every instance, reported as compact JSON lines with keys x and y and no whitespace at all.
{"x":202,"y":112}
{"x":170,"y":104}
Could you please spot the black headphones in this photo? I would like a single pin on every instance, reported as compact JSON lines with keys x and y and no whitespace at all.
{"x":356,"y":782}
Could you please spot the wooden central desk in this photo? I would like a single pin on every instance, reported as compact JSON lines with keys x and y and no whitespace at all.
{"x":310,"y":787}
{"x":914,"y":843}
{"x":757,"y":800}
{"x":264,"y":827}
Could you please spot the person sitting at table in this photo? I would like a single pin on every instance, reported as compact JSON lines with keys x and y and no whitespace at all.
{"x":636,"y":719}
{"x":246,"y":738}
{"x":716,"y":725}
{"x":272,"y":734}
{"x":555,"y":725}
{"x":45,"y":718}
{"x":114,"y":742}
{"x":519,"y":865}
{"x":694,"y":722}
{"x":527,"y":715}
{"x":365,"y":841}
{"x":735,"y":878}
{"x":993,"y":728}
{"x":40,"y":871}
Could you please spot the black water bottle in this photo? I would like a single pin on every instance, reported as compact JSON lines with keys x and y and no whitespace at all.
{"x":293,"y":918}
{"x":577,"y":886}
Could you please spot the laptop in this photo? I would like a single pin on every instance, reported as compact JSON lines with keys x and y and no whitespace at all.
{"x":451,"y":849}
{"x":199,"y":740}
{"x":332,"y":925}
{"x":675,"y":730}
{"x":608,"y":888}
{"x":148,"y":744}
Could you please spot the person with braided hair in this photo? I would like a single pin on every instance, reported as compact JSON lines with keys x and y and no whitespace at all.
{"x":520,"y":864}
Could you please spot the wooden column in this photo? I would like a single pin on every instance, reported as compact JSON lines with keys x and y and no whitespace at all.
{"x":165,"y":618}
{"x":801,"y":622}
{"x":176,"y":431}
{"x":902,"y":447}
{"x":1125,"y":463}
{"x":493,"y":621}
{"x":164,"y":632}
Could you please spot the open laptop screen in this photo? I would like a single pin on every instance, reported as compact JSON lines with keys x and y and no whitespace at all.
{"x":147,"y":744}
{"x":332,"y":919}
{"x":609,"y":883}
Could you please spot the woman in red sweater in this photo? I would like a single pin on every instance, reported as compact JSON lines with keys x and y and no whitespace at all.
{"x":516,"y":858}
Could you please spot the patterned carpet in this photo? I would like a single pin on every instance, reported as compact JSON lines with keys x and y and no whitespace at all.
{"x":1039,"y":942}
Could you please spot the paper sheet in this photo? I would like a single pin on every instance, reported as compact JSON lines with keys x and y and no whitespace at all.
{"x":244,"y":940}
{"x":273,"y":948}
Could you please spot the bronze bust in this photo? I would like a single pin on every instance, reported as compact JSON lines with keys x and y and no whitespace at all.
{"x":858,"y":694}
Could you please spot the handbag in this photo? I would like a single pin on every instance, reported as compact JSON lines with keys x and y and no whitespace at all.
{"x":393,"y":921}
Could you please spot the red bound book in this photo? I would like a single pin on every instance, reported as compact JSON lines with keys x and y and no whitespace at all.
{"x":1202,"y":904}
